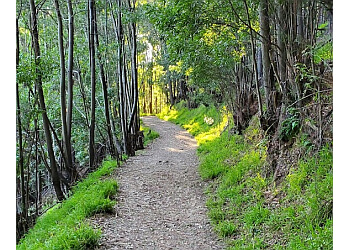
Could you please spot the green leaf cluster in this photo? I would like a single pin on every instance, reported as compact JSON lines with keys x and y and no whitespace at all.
{"x":291,"y":125}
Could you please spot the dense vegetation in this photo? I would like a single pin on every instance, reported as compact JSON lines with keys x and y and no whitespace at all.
{"x":87,"y":70}
{"x":246,"y":206}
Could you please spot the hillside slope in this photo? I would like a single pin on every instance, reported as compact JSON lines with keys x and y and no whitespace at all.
{"x":250,"y":204}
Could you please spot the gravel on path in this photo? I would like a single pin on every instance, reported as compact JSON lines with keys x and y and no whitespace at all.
{"x":161,"y":201}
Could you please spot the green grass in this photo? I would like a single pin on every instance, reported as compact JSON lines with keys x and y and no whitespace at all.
{"x":64,"y":226}
{"x":149,"y":134}
{"x":246,"y":209}
{"x":193,"y":120}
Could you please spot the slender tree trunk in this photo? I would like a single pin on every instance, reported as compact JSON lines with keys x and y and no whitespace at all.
{"x":110,"y":103}
{"x":122,"y":104}
{"x":20,"y":136}
{"x":83,"y":96}
{"x":92,"y":22}
{"x":63,"y":87}
{"x":150,"y":98}
{"x":134,"y":119}
{"x":300,"y":23}
{"x":105,"y":96}
{"x":171,"y":95}
{"x":36,"y":138}
{"x":266,"y":47}
{"x":281,"y":40}
{"x":38,"y":81}
{"x":255,"y":65}
{"x":70,"y":166}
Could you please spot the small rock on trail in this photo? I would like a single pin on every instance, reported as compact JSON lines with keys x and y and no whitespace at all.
{"x":160,"y":203}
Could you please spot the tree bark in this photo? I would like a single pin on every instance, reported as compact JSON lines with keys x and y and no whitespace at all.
{"x":134,"y":119}
{"x":120,"y":77}
{"x":20,"y":136}
{"x":70,"y":166}
{"x":38,"y":81}
{"x":255,"y":65}
{"x":150,"y":98}
{"x":92,"y":21}
{"x":171,"y":95}
{"x":65,"y":139}
{"x":266,"y":47}
{"x":105,"y":96}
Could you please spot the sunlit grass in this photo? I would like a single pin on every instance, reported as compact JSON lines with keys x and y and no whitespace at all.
{"x":245,"y":207}
{"x":194,"y":121}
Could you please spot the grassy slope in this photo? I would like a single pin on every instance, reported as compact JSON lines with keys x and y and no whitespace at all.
{"x":64,"y":226}
{"x":245,"y":208}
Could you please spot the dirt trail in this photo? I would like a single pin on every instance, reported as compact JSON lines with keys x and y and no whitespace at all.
{"x":161,"y":204}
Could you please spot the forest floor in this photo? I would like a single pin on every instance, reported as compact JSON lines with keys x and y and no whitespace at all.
{"x":161,"y":201}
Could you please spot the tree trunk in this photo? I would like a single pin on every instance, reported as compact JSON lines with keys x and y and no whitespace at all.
{"x":65,"y":139}
{"x":20,"y":136}
{"x":266,"y":47}
{"x":38,"y":81}
{"x":122,"y":103}
{"x":171,"y":95}
{"x":282,"y":34}
{"x":113,"y":151}
{"x":134,"y":120}
{"x":70,"y":166}
{"x":92,"y":22}
{"x":150,"y":99}
{"x":255,"y":65}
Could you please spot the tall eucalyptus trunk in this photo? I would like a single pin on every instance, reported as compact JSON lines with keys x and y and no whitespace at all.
{"x":20,"y":136}
{"x":92,"y":22}
{"x":266,"y":47}
{"x":70,"y":165}
{"x":134,"y":121}
{"x":255,"y":64}
{"x":122,"y":103}
{"x":38,"y":82}
{"x":66,"y":145}
{"x":113,"y":150}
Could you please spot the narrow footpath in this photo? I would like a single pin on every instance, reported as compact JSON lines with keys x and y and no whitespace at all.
{"x":161,"y":201}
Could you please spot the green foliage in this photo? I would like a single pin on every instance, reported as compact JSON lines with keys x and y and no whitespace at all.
{"x":193,"y":120}
{"x":323,"y":52}
{"x":64,"y":226}
{"x":323,"y":49}
{"x":246,"y":208}
{"x":291,"y":125}
{"x":149,"y":134}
